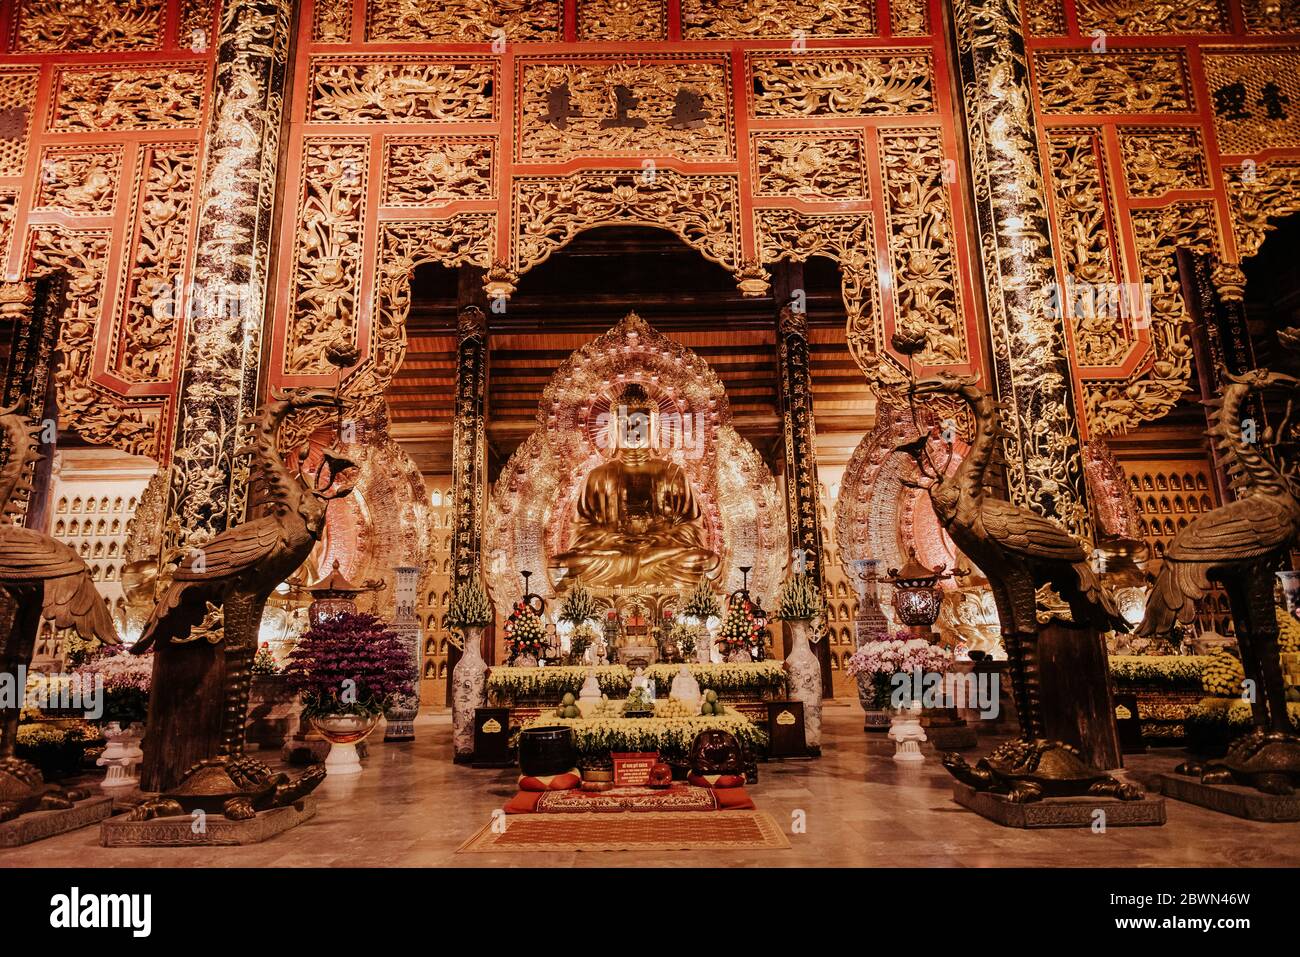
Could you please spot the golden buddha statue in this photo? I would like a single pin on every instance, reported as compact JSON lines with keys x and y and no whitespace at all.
{"x":638,"y":521}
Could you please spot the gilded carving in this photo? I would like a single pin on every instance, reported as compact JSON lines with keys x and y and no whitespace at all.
{"x":810,"y":165}
{"x":1255,"y":98}
{"x":1133,"y":17}
{"x":1030,"y":359}
{"x":83,"y":254}
{"x":222,"y":351}
{"x":701,"y":209}
{"x":785,"y":19}
{"x":918,"y":209}
{"x":1045,"y":18}
{"x":464,"y":21}
{"x":1116,"y":407}
{"x":17,"y":96}
{"x":676,"y":106}
{"x":426,"y":171}
{"x":909,"y":18}
{"x":1088,"y":247}
{"x":1271,"y":16}
{"x":622,"y":19}
{"x":79,"y":180}
{"x":399,"y":90}
{"x":196,"y":23}
{"x":331,"y":21}
{"x":849,"y":240}
{"x":1158,"y":160}
{"x":818,"y":84}
{"x":160,"y":97}
{"x":144,"y":346}
{"x":1267,"y":191}
{"x":465,"y":239}
{"x":1116,"y":82}
{"x":8,"y":209}
{"x":83,"y":25}
{"x":327,"y":261}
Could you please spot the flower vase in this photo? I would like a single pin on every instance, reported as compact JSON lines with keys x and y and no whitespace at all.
{"x":344,"y":732}
{"x":468,"y":693}
{"x":121,"y":756}
{"x":804,"y":673}
{"x":906,"y":731}
{"x":873,"y":695}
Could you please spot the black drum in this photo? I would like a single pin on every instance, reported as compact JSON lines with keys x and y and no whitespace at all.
{"x":544,"y":751}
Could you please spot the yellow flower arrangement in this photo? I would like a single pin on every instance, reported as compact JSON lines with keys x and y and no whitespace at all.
{"x":752,"y":677}
{"x":1223,"y":675}
{"x":669,"y":736}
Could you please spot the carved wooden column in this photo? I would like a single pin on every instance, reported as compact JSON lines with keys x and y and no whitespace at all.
{"x":800,"y":435}
{"x":1031,"y":365}
{"x":222,"y":354}
{"x":469,"y":454}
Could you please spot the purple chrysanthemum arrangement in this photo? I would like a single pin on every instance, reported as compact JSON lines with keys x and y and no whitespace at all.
{"x":349,"y":664}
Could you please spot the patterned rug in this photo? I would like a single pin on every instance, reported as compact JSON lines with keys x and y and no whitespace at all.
{"x":651,"y":831}
{"x":680,"y":797}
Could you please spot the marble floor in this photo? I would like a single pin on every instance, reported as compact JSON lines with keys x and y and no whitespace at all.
{"x":412,"y":807}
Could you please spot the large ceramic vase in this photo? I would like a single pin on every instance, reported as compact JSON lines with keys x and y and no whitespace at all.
{"x":804,"y":673}
{"x":468,"y":693}
{"x":344,"y":732}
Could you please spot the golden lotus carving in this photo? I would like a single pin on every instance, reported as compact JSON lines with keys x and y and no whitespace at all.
{"x":327,"y":263}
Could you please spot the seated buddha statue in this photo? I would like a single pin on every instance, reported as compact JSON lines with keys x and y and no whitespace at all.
{"x":637,"y":520}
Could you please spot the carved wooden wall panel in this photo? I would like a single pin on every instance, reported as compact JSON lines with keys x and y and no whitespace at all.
{"x":103,"y":109}
{"x":1167,"y":124}
{"x":754,"y":131}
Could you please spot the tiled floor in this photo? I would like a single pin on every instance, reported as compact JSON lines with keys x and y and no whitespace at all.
{"x":413,"y":807}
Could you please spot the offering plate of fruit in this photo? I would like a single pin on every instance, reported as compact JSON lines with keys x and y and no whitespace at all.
{"x":711,"y":705}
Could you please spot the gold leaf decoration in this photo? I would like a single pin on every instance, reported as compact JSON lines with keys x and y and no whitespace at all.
{"x":463,"y":21}
{"x":1160,"y":160}
{"x":400,"y":90}
{"x":1116,"y":82}
{"x":675,"y":106}
{"x":79,"y":180}
{"x":811,"y":166}
{"x":786,"y":19}
{"x":813,"y":84}
{"x":622,"y":19}
{"x":327,"y":262}
{"x":79,"y":26}
{"x":425,"y":171}
{"x":1255,"y":98}
{"x":157,"y":97}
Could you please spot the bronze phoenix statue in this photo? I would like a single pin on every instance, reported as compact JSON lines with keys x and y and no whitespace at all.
{"x":42,"y":577}
{"x":237,"y":570}
{"x":1018,"y":551}
{"x":1241,"y":546}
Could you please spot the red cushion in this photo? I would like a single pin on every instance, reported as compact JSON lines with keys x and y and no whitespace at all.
{"x":525,"y":802}
{"x":716,"y":781}
{"x":564,"y":781}
{"x":733,"y":799}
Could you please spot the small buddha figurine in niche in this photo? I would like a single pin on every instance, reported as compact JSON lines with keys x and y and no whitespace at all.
{"x":637,"y":520}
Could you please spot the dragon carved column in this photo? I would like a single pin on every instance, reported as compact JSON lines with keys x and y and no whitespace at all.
{"x":1031,"y":366}
{"x":224,"y":328}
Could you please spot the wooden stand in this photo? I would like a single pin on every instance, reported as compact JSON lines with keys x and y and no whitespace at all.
{"x":1075,"y":690}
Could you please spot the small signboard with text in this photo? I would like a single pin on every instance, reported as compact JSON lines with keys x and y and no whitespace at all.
{"x":632,"y":768}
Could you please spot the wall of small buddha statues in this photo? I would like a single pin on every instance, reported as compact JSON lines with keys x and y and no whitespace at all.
{"x":469,"y":132}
